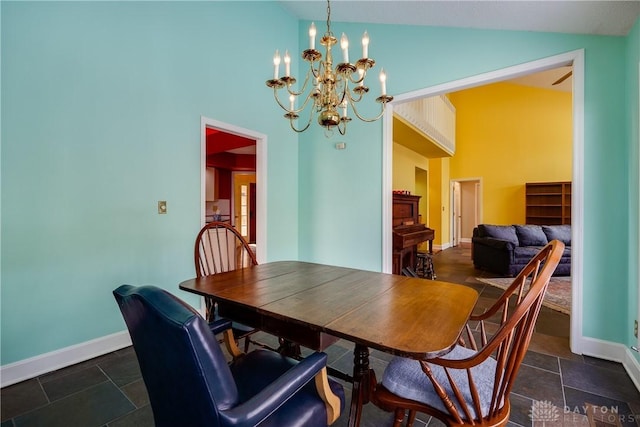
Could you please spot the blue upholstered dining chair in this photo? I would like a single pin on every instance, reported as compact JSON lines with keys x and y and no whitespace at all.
{"x":470,"y":385}
{"x":190,"y":382}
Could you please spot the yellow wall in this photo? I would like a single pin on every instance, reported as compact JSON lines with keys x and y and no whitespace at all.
{"x":405,"y":162}
{"x":422,"y":189}
{"x":409,"y":169}
{"x":434,"y":205}
{"x":508,"y":135}
{"x":438,"y":205}
{"x":445,"y":204}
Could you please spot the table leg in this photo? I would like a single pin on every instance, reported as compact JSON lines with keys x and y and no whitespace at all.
{"x":210,"y":309}
{"x":360,"y":392}
{"x":289,"y":349}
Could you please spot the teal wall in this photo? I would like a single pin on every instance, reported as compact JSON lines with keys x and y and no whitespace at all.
{"x":101,"y":106}
{"x":340,"y":191}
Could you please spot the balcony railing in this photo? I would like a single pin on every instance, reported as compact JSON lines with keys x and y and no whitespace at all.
{"x":435,"y":117}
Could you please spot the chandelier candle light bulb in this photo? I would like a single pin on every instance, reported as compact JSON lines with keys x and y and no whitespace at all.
{"x":276,"y":64}
{"x":365,"y":45}
{"x":312,"y":36}
{"x":344,"y":44}
{"x":287,"y":63}
{"x":327,"y":88}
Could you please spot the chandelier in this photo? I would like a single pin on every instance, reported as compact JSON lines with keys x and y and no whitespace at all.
{"x":330,"y":89}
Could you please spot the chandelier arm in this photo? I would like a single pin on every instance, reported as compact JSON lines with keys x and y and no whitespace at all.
{"x":316,"y":71}
{"x":356,"y":99}
{"x":359,"y":79}
{"x":295,"y":111}
{"x":342,"y":84}
{"x":275,"y":95}
{"x":305,"y":127}
{"x":304,"y":105}
{"x":299,"y":130}
{"x":364,"y":119}
{"x":359,"y":90}
{"x":355,"y":96}
{"x":304,"y":87}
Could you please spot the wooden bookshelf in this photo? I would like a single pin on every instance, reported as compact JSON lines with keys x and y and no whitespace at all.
{"x":548,"y":203}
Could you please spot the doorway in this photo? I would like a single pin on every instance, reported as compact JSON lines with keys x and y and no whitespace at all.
{"x":455,"y":213}
{"x":243,"y":202}
{"x":232,"y":155}
{"x":574,"y":59}
{"x":466,"y":212}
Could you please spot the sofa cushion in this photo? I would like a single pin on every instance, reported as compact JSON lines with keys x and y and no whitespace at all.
{"x":559,"y":232}
{"x":522,"y":254}
{"x":503,"y":232}
{"x":531,"y":235}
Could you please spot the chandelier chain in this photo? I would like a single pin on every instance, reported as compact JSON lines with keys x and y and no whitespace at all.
{"x":328,"y":17}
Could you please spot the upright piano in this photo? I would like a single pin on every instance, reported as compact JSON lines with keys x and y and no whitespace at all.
{"x":408,"y":232}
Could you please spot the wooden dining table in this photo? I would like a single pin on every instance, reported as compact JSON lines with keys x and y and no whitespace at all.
{"x":315,"y":305}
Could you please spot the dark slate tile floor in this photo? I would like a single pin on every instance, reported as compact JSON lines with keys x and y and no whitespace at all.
{"x":108,"y":391}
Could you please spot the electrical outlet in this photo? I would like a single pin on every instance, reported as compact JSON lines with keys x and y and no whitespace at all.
{"x":635,"y":328}
{"x":162,"y":206}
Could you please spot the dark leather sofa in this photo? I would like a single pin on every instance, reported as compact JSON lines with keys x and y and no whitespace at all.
{"x":506,"y":249}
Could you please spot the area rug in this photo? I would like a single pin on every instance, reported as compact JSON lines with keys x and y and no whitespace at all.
{"x":558,"y":295}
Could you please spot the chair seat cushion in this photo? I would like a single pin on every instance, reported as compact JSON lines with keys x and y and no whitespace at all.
{"x":405,"y":378}
{"x":259,"y":368}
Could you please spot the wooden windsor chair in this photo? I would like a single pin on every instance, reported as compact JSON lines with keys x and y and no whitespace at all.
{"x":219,"y":248}
{"x":470,"y":385}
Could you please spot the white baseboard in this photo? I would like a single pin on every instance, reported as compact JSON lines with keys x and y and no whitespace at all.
{"x":615,"y":352}
{"x":43,"y":363}
{"x":447,"y":245}
{"x":442,"y":247}
{"x":632,"y":366}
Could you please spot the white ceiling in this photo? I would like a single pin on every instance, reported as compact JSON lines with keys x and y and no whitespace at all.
{"x":608,"y":17}
{"x":604,"y":17}
{"x":545,"y":79}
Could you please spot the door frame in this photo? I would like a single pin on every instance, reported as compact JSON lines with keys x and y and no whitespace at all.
{"x":261,"y":176}
{"x":574,"y":58}
{"x":454,"y":225}
{"x":455,"y":208}
{"x":234,"y":214}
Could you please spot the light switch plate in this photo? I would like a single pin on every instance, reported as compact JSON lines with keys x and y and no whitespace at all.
{"x":162,"y":206}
